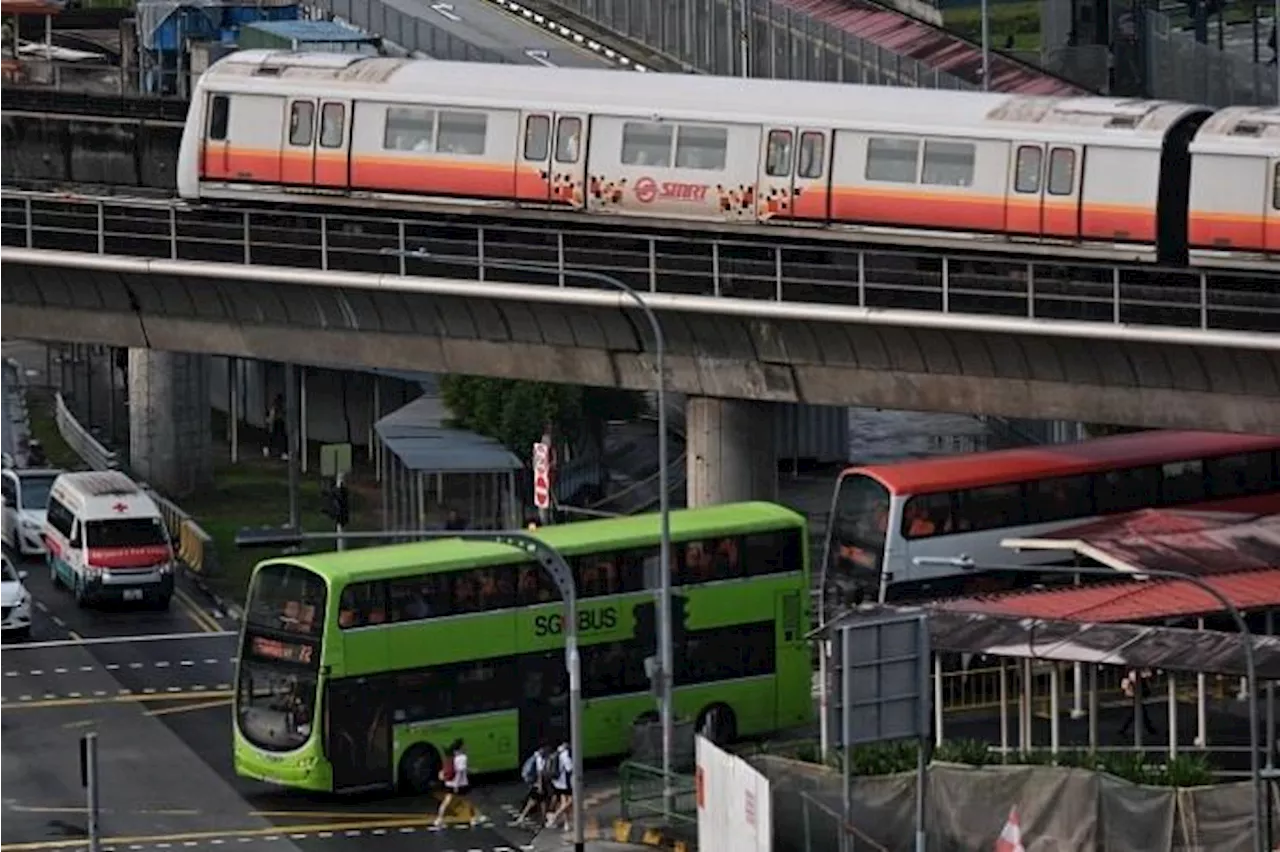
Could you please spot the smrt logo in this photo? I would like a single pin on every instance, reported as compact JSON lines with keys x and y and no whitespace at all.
{"x":647,"y":189}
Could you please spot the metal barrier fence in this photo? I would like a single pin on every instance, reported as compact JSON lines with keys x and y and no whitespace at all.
{"x":643,"y":791}
{"x":194,"y":546}
{"x":1181,"y":68}
{"x":824,"y":824}
{"x":762,"y":268}
{"x":707,"y":35}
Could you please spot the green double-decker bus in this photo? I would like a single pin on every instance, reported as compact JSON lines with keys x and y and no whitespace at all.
{"x":357,"y":668}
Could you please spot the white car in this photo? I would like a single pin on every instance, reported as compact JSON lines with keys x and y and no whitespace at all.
{"x":26,"y":498}
{"x":15,"y":602}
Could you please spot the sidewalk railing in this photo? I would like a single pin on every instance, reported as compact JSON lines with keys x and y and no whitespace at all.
{"x":194,"y":546}
{"x":643,"y":790}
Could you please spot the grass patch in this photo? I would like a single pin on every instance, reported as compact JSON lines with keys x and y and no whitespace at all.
{"x":44,"y":428}
{"x":1019,"y":20}
{"x":255,"y":492}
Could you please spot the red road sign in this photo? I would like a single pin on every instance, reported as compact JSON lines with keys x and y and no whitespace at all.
{"x":541,"y":475}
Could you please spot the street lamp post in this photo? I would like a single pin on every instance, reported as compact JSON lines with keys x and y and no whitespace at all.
{"x":665,"y":652}
{"x":966,"y":563}
{"x":552,"y":562}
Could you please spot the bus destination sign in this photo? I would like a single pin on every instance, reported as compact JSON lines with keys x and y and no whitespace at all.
{"x":291,"y":652}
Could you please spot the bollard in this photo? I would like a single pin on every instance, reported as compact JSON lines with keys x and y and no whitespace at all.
{"x":89,"y":780}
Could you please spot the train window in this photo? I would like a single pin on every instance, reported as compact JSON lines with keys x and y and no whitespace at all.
{"x":646,"y":143}
{"x":928,"y":515}
{"x":778,"y":156}
{"x":948,"y":163}
{"x":333,"y":118}
{"x":462,"y":133}
{"x":1062,"y":171}
{"x":1275,"y":187}
{"x":302,"y":119}
{"x":701,"y":147}
{"x":892,"y":160}
{"x":812,"y":155}
{"x":409,"y":129}
{"x":219,"y":113}
{"x":1027,"y":173}
{"x":537,"y":138}
{"x":568,"y":140}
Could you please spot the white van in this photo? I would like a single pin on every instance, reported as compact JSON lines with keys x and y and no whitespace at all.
{"x":106,"y":540}
{"x":25,"y":497}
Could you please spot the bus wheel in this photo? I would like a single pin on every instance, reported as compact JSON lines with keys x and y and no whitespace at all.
{"x":419,"y":769}
{"x":718,"y":724}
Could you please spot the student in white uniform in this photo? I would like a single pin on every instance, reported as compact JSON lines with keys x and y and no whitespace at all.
{"x":457,"y":782}
{"x":562,"y":785}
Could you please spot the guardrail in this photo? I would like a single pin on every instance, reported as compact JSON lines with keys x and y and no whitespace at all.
{"x":643,"y":789}
{"x":767,"y":268}
{"x":194,"y":546}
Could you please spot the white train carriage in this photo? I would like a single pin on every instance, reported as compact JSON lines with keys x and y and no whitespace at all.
{"x":1234,"y":210}
{"x":1103,"y":172}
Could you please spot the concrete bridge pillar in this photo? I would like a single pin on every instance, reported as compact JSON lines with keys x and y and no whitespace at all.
{"x":170,"y":428}
{"x":731,"y":451}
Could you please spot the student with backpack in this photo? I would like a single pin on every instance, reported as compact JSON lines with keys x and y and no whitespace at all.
{"x":561,"y":785}
{"x":536,"y":773}
{"x":457,"y":781}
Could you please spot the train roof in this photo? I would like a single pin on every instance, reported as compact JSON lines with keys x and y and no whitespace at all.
{"x":683,"y":97}
{"x":1240,"y":130}
{"x":994,"y":468}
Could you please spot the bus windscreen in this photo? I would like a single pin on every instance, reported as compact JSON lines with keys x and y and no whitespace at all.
{"x":858,"y":533}
{"x":287,"y":598}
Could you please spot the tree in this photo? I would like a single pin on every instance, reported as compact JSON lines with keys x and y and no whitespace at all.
{"x":515,"y":412}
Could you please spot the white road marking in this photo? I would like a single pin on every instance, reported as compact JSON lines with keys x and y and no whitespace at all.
{"x":119,"y":640}
{"x":162,"y":664}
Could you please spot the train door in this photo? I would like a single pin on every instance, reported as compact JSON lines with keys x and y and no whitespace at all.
{"x":1024,"y":202}
{"x":553,"y":165}
{"x":1062,"y":188}
{"x":298,"y":146}
{"x":333,"y":150}
{"x":215,"y":159}
{"x":794,"y":174}
{"x":1271,"y":219}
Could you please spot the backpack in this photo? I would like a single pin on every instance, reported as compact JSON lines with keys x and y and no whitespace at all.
{"x":447,"y":773}
{"x":529,"y":772}
{"x":548,"y":773}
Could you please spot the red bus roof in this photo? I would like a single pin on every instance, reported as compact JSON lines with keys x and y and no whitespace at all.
{"x":978,"y":469}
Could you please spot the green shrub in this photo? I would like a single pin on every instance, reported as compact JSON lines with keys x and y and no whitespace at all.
{"x":1191,"y":770}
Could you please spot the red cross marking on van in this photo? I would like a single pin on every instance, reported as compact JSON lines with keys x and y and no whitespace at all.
{"x":120,"y":507}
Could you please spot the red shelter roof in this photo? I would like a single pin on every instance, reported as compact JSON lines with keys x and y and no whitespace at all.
{"x":1133,"y":601}
{"x":932,"y":46}
{"x":1238,"y":555}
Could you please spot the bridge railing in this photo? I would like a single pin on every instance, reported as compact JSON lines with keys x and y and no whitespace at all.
{"x":892,"y":273}
{"x":194,"y":546}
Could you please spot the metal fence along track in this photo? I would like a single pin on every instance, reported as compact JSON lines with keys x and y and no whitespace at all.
{"x":789,"y":272}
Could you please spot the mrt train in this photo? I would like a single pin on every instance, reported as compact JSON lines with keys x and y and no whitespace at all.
{"x":1124,"y":180}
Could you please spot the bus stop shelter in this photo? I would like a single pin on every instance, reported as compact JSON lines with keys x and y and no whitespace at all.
{"x":1111,"y":623}
{"x":428,"y":469}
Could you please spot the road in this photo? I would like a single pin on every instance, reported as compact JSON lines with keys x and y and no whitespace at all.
{"x":485,"y":24}
{"x":156,"y":688}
